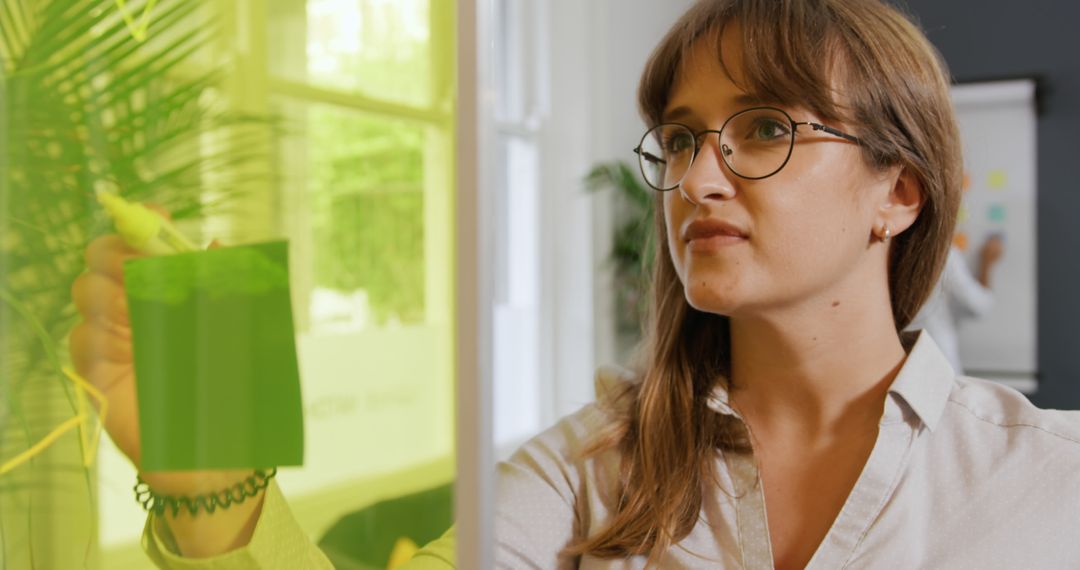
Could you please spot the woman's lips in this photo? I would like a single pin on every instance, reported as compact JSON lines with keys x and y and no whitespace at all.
{"x":712,"y":234}
{"x":716,"y":242}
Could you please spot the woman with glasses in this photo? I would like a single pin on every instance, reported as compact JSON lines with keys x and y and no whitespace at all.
{"x":807,"y":170}
{"x":808,"y":175}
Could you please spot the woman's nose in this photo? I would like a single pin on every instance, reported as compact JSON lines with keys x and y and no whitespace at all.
{"x":709,"y":177}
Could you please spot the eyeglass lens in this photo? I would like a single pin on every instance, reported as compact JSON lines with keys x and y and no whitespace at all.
{"x":754,"y":144}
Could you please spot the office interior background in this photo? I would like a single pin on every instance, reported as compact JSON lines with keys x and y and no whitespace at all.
{"x":332,"y":123}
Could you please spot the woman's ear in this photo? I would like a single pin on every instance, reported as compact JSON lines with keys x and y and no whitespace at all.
{"x":902,"y":204}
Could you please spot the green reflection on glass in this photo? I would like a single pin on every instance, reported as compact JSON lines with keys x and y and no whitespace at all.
{"x":367,"y":180}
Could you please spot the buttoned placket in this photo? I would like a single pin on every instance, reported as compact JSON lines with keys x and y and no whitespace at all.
{"x":896,"y":434}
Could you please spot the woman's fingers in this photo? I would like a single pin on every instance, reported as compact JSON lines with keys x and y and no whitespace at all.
{"x":92,"y":342}
{"x":106,"y":255}
{"x":97,"y":296}
{"x":116,"y":381}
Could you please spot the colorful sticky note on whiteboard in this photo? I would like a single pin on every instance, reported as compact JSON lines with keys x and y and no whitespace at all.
{"x":215,"y":359}
{"x":960,"y":240}
{"x":997,"y":179}
{"x":996,"y":213}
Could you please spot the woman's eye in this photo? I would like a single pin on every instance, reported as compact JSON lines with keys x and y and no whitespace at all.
{"x":768,"y":129}
{"x":679,"y":143}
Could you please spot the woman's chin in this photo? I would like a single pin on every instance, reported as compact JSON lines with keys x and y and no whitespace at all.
{"x":708,"y":300}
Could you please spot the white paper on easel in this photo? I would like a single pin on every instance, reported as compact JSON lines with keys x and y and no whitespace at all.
{"x":998,"y":127}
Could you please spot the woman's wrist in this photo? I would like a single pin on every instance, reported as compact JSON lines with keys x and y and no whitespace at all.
{"x":200,"y":492}
{"x":205,"y":536}
{"x":192,"y":482}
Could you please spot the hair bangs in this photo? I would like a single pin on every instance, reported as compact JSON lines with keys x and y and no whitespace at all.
{"x":789,"y":58}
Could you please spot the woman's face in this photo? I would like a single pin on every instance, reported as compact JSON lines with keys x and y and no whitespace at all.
{"x":803,"y":235}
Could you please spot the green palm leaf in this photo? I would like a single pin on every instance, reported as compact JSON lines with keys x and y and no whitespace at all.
{"x":84,"y":104}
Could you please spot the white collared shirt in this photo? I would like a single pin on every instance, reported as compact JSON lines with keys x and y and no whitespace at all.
{"x":965,"y":473}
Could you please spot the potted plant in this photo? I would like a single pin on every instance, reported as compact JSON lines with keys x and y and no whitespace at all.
{"x":632,"y":245}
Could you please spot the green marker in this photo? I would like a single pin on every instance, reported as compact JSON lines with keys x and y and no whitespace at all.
{"x":142,"y":228}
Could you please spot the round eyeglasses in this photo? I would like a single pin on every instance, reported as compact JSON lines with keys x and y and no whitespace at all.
{"x":754,"y":143}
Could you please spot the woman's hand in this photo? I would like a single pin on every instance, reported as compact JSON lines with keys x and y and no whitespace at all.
{"x":989,"y":255}
{"x":101,"y":352}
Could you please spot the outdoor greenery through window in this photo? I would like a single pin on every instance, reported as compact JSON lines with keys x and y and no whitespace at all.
{"x":376,"y":48}
{"x":365,"y":93}
{"x":366,"y":183}
{"x":371,"y":113}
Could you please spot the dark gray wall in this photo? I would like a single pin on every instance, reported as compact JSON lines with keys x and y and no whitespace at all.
{"x":986,"y":39}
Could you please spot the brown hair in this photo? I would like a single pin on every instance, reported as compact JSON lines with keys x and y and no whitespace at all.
{"x":893,"y":86}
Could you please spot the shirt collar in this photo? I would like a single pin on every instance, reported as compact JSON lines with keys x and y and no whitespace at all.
{"x":923,"y":384}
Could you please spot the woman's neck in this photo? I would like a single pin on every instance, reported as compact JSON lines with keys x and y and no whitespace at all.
{"x":817,"y":375}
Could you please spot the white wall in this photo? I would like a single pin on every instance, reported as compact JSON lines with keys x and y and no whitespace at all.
{"x":624,"y":33}
{"x":595,"y":53}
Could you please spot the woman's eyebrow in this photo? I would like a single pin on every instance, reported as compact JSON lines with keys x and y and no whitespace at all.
{"x":676,"y":114}
{"x":739,"y":102}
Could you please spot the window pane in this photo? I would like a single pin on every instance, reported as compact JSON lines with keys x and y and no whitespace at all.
{"x":367,"y":207}
{"x":368,"y":215}
{"x":377,"y":48}
{"x":518,"y":395}
{"x":365,"y":180}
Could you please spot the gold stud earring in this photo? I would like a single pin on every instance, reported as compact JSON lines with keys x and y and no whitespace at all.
{"x":886,"y":234}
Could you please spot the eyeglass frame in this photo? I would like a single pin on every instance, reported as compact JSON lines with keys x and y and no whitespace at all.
{"x":699,"y":140}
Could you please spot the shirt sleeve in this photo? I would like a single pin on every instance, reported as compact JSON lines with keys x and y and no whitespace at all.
{"x":543,"y":495}
{"x":534,"y":519}
{"x":278,"y":542}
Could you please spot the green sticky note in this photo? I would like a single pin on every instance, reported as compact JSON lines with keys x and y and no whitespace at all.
{"x":996,"y":213}
{"x":215,"y":359}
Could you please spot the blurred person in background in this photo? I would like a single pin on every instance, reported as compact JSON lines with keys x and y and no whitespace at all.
{"x":959,"y":296}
